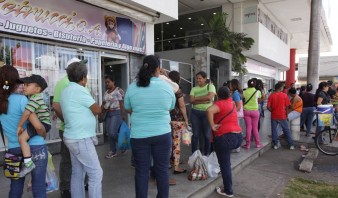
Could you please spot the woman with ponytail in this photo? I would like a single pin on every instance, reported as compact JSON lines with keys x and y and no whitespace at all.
{"x":149,"y":101}
{"x":12,"y":106}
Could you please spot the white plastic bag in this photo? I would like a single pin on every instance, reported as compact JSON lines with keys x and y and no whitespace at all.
{"x":212,"y":165}
{"x":193,"y":158}
{"x":52,"y":181}
{"x":186,"y":136}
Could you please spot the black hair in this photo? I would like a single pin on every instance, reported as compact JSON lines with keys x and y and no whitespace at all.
{"x":321,"y":86}
{"x":252,"y":83}
{"x":223,"y":93}
{"x":278,"y":86}
{"x":309,"y":87}
{"x":147,"y":70}
{"x":175,"y":76}
{"x":235,"y":85}
{"x":202,"y":73}
{"x":259,"y":84}
{"x":329,"y":82}
{"x":292,"y":91}
{"x":8,"y":84}
{"x":111,"y":78}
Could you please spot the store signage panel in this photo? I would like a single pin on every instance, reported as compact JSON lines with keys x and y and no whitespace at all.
{"x":72,"y":21}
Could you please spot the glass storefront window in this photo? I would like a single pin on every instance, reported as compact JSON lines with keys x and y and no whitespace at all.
{"x":49,"y":61}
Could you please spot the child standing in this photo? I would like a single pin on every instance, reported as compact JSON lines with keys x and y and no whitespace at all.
{"x":36,"y":111}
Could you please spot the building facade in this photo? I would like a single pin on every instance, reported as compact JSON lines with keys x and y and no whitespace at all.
{"x":39,"y":37}
{"x":280,"y":30}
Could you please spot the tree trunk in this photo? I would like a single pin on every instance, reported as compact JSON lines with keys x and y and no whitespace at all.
{"x":314,"y":44}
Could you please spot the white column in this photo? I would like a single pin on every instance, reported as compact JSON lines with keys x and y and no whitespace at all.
{"x":150,"y":40}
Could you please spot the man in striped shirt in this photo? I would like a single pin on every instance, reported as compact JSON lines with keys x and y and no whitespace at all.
{"x":36,"y":111}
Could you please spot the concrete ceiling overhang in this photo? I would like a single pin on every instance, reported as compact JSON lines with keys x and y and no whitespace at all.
{"x":294,"y":15}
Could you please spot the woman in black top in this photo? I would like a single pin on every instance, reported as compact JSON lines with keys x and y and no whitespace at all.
{"x":322,"y":98}
{"x":308,"y":108}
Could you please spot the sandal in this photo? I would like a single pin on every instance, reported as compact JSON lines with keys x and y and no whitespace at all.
{"x":179,"y":172}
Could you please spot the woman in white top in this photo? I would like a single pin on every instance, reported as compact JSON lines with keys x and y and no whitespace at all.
{"x":113,"y":103}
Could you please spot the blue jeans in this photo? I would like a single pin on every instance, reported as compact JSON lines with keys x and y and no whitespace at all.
{"x":85,"y":160}
{"x":112,"y":124}
{"x":159,"y":148}
{"x":307,"y":115}
{"x":201,"y":132}
{"x":286,"y":130}
{"x":223,"y":146}
{"x":40,"y":159}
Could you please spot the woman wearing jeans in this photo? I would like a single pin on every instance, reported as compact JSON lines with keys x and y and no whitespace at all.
{"x":149,"y":101}
{"x":79,"y":110}
{"x":222,"y":117}
{"x":113,"y":103}
{"x":12,"y":106}
{"x":308,"y":109}
{"x":201,"y":97}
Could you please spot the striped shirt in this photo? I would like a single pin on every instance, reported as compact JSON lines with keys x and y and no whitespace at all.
{"x":37,"y":105}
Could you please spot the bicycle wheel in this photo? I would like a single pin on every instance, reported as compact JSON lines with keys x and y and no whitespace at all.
{"x":327,"y":142}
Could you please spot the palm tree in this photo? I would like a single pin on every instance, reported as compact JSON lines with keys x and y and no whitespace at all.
{"x":219,"y":36}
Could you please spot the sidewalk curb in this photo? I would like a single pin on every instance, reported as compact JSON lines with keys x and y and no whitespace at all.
{"x":210,"y":188}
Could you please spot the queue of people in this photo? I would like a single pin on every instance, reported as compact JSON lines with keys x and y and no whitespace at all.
{"x":155,"y":143}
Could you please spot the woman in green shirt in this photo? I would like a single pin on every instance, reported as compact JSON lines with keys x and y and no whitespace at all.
{"x":201,"y":97}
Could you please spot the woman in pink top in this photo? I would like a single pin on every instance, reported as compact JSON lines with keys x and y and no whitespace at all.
{"x":222,"y":117}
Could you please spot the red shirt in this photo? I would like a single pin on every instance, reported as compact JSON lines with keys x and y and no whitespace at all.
{"x":230,"y":123}
{"x":278,"y":102}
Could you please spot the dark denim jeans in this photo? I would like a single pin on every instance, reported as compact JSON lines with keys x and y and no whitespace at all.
{"x":40,"y":159}
{"x":65,"y":167}
{"x":286,"y":130}
{"x":223,"y":146}
{"x":159,"y":148}
{"x":307,"y":115}
{"x":112,"y":124}
{"x":201,"y":132}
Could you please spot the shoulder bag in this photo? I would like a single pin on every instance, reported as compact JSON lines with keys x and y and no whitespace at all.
{"x":12,"y":163}
{"x":249,"y":98}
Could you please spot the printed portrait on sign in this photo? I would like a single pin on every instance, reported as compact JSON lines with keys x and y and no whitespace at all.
{"x":112,"y":34}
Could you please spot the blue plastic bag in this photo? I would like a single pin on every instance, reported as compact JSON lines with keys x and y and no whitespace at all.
{"x":123,"y":142}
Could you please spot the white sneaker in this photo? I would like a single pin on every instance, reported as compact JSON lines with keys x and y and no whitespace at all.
{"x":221,"y":192}
{"x":292,"y":147}
{"x":27,"y":168}
{"x":237,"y":150}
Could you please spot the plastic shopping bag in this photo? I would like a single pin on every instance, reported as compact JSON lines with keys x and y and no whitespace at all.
{"x":186,"y":136}
{"x":52,"y":181}
{"x":193,"y":158}
{"x":199,"y":170}
{"x":123,"y":142}
{"x":212,"y":165}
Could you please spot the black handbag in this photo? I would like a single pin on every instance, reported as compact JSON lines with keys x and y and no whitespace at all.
{"x":102,"y":117}
{"x":12,"y":164}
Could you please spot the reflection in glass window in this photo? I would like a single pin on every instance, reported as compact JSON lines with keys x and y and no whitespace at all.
{"x":49,"y":61}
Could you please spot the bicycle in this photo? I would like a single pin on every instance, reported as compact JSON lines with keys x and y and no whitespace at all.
{"x":327,"y":140}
